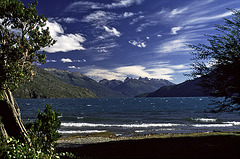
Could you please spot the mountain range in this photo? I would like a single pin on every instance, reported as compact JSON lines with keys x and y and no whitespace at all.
{"x":45,"y":85}
{"x":55,"y":83}
{"x":131,"y":87}
{"x":189,"y":88}
{"x":80,"y":80}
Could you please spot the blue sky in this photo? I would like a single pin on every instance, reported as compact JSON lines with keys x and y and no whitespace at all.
{"x":119,"y":38}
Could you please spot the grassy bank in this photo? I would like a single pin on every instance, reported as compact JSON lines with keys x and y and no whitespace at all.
{"x":195,"y":145}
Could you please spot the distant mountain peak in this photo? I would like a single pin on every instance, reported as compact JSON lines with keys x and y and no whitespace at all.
{"x":131,"y":86}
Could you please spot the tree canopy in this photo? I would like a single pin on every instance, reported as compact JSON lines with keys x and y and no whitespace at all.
{"x":22,"y":34}
{"x":219,"y":63}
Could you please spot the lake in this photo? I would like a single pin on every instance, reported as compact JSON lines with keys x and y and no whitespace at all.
{"x":133,"y":116}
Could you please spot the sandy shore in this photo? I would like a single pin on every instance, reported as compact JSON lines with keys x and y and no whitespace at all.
{"x":217,"y":145}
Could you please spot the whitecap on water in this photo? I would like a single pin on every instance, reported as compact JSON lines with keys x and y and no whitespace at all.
{"x":232,"y":122}
{"x":143,"y":125}
{"x":212,"y":125}
{"x":205,"y":119}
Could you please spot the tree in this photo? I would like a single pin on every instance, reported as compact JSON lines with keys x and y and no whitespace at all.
{"x":219,"y":64}
{"x":22,"y":34}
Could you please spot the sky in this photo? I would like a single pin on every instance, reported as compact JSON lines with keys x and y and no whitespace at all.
{"x":115,"y":39}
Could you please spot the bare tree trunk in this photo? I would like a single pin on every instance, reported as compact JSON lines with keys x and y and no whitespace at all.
{"x":3,"y":131}
{"x":11,"y":117}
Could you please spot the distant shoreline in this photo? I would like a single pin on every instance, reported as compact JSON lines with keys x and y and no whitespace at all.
{"x":194,"y":145}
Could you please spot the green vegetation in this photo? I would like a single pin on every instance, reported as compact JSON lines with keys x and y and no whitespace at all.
{"x":45,"y":85}
{"x":41,"y":142}
{"x":22,"y":34}
{"x":80,"y":80}
{"x":218,"y":64}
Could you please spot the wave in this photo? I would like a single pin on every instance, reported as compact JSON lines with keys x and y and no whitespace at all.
{"x":205,"y":119}
{"x":212,"y":125}
{"x":143,"y":125}
{"x":80,"y":132}
{"x":232,"y":122}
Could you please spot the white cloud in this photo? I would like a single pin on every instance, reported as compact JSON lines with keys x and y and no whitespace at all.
{"x":128,"y":14}
{"x":102,"y":50}
{"x":81,"y":6}
{"x":139,"y":44}
{"x":136,"y":71}
{"x":177,"y":11}
{"x":198,"y":20}
{"x":124,"y":3}
{"x":99,"y":74}
{"x":68,"y":20}
{"x":65,"y":42}
{"x":66,"y":60}
{"x":112,"y":31}
{"x":51,"y":61}
{"x":148,"y":37}
{"x":99,"y":17}
{"x":158,"y":71}
{"x":175,"y":45}
{"x":159,"y":35}
{"x":72,"y":67}
{"x":175,"y":29}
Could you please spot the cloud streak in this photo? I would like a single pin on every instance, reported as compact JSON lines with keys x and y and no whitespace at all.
{"x":82,"y":6}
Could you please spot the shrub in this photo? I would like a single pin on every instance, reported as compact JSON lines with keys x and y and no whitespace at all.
{"x":43,"y":131}
{"x":42,"y":139}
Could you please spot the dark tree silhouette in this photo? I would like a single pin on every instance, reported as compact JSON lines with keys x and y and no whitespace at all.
{"x":219,"y":64}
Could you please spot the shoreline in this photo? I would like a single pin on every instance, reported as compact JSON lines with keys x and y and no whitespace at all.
{"x":194,"y":145}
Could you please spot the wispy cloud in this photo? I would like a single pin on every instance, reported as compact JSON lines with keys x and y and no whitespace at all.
{"x":66,"y":19}
{"x":177,"y":11}
{"x":178,"y":44}
{"x":127,"y":14}
{"x":66,"y":60}
{"x":65,"y":42}
{"x":112,"y":31}
{"x":205,"y":19}
{"x":72,"y":67}
{"x":160,"y":70}
{"x":175,"y":29}
{"x":81,"y":6}
{"x":51,"y":61}
{"x":140,"y":44}
{"x":100,"y":18}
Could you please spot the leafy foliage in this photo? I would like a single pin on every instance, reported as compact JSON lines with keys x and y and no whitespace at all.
{"x":43,"y":132}
{"x":22,"y":35}
{"x":219,"y":63}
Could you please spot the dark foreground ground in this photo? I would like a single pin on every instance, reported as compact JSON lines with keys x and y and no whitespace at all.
{"x":217,"y":146}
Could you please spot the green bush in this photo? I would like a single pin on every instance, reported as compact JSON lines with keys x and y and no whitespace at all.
{"x":42,"y":139}
{"x":43,"y":131}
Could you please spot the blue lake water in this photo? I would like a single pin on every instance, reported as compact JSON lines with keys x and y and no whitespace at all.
{"x":128,"y":116}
